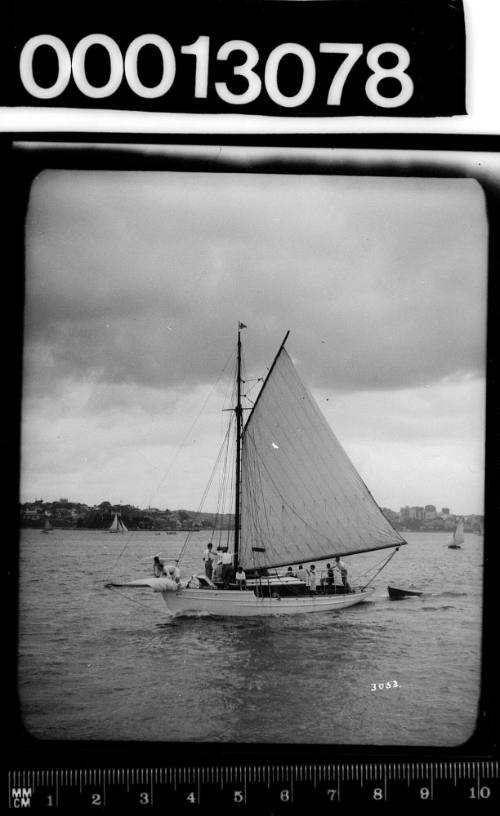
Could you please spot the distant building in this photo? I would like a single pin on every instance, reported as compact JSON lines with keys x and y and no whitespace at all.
{"x":404,"y":513}
{"x":430,"y":512}
{"x":417,"y":513}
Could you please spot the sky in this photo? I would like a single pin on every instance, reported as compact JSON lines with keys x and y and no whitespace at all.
{"x":135,"y":283}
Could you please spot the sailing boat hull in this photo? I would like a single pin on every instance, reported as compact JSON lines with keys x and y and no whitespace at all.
{"x":231,"y":603}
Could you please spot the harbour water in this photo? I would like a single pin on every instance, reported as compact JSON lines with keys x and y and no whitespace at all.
{"x":101,"y":664}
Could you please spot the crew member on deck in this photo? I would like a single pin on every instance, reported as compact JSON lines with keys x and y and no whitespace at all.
{"x":208,"y":558}
{"x":173,"y":572}
{"x":343,"y":573}
{"x":227,"y":568}
{"x":217,"y":573}
{"x":241,"y":578}
{"x":158,"y":567}
{"x":312,"y":578}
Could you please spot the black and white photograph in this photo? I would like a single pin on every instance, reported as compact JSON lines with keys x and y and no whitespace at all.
{"x":252,"y":472}
{"x":249,"y":424}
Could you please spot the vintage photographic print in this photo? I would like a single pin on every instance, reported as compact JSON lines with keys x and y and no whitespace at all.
{"x":252,"y":474}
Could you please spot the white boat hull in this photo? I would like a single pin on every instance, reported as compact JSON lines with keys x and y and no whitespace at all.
{"x":231,"y":603}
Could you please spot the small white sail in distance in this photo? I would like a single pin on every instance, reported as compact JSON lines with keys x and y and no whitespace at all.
{"x":117,"y":525}
{"x":458,"y":536}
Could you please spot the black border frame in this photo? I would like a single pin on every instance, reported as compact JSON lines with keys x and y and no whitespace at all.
{"x":22,"y":156}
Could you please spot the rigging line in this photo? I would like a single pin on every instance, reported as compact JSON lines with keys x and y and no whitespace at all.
{"x":131,"y":600}
{"x":393,"y":553}
{"x":222,"y":479}
{"x":188,"y":433}
{"x":230,"y":493}
{"x":256,"y":485}
{"x":207,"y":488}
{"x":230,"y":497}
{"x":127,"y":542}
{"x":222,"y":493}
{"x":366,"y":571}
{"x":224,"y":488}
{"x":224,"y":476}
{"x":176,"y":454}
{"x":255,"y":382}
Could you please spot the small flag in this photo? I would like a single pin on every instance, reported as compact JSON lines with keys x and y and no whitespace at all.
{"x":242,"y":325}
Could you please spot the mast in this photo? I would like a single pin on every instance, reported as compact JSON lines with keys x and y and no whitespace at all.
{"x":239,"y":414}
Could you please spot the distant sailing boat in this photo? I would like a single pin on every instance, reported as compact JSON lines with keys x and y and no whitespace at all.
{"x":117,"y":525}
{"x":458,"y":537}
{"x":298,"y":498}
{"x":47,"y":527}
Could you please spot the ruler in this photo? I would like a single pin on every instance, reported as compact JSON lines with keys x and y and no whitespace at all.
{"x":263,"y":789}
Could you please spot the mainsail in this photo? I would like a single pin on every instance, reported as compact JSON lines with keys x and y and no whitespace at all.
{"x":301,"y":497}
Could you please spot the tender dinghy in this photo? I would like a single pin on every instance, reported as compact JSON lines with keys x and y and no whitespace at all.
{"x":401,"y":592}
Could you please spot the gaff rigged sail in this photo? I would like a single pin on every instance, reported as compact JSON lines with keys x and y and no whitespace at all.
{"x":301,"y":497}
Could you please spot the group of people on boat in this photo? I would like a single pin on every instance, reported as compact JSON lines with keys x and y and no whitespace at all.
{"x":220,"y":571}
{"x":327,"y":580}
{"x":223,"y":572}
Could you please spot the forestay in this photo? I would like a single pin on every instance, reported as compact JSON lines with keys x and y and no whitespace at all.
{"x":302,"y":499}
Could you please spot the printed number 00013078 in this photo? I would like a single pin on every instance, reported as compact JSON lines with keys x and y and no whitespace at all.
{"x":73,"y":65}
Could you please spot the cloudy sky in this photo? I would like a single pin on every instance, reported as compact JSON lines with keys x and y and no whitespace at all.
{"x":136,"y":282}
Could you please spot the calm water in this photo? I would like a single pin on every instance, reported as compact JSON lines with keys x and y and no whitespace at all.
{"x":108,"y":664}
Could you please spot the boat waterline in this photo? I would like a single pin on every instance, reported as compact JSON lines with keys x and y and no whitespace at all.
{"x":245,"y":604}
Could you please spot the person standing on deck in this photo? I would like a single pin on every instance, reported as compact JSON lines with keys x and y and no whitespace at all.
{"x":301,"y":574}
{"x":343,"y":573}
{"x":217,"y":573}
{"x":312,"y":579}
{"x":158,"y":567}
{"x":227,"y":568}
{"x":330,"y":578}
{"x":208,"y":558}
